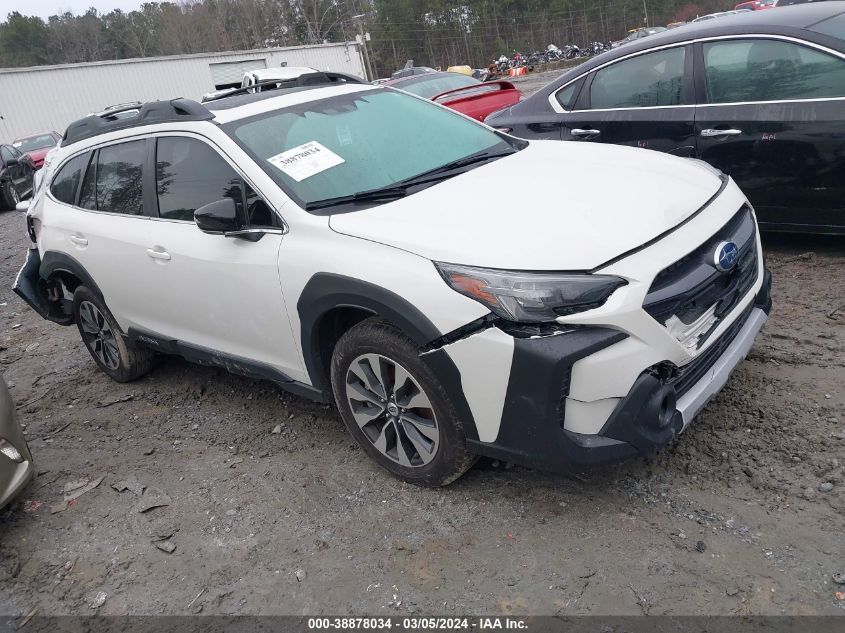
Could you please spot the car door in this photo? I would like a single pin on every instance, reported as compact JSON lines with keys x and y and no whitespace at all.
{"x":211,"y":292}
{"x":25,"y":170}
{"x":102,"y":222}
{"x":771,"y":114}
{"x":14,"y":167}
{"x":645,"y":100}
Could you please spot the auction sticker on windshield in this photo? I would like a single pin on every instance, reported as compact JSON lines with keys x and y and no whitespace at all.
{"x":305,"y":161}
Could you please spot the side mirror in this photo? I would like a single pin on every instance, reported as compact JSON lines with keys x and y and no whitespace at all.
{"x":23,"y":205}
{"x":220,"y":216}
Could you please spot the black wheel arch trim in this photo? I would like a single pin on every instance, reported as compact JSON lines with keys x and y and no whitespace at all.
{"x":53,"y":262}
{"x":326,"y":292}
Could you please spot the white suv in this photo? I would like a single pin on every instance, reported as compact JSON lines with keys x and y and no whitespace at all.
{"x":454,"y":290}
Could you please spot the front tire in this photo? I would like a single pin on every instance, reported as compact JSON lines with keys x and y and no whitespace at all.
{"x":107,"y":345}
{"x":395,"y":407}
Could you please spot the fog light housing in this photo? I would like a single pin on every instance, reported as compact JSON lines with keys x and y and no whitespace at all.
{"x":7,"y":449}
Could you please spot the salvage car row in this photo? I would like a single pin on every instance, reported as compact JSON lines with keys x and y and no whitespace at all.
{"x":285,"y":231}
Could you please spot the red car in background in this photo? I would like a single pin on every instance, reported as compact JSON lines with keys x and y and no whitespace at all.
{"x":756,"y":5}
{"x":461,"y":92}
{"x":37,"y":146}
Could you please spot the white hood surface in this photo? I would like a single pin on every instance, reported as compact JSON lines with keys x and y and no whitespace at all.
{"x":552,"y":206}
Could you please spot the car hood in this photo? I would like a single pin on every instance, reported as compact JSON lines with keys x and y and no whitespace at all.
{"x":552,"y":206}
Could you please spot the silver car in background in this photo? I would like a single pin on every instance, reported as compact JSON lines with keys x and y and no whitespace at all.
{"x":16,"y":467}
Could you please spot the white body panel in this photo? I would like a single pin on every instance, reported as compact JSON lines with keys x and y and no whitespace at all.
{"x":240,"y":298}
{"x":566,"y":217}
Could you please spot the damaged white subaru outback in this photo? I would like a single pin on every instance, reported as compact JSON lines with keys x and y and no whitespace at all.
{"x":358,"y":244}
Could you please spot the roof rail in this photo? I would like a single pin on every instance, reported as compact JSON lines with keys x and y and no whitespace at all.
{"x":147,"y":114}
{"x":306,"y":80}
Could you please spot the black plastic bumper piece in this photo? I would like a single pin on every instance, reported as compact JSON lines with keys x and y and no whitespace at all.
{"x":763,"y":300}
{"x":30,"y":287}
{"x":532,"y":429}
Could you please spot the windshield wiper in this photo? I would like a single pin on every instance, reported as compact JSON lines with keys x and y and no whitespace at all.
{"x":400,"y":189}
{"x":385,"y":194}
{"x":453,"y":166}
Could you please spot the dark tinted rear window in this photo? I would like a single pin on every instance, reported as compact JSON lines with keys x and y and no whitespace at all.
{"x":66,"y":180}
{"x":114,"y":181}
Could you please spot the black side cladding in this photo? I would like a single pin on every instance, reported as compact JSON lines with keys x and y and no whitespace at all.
{"x":325,"y":292}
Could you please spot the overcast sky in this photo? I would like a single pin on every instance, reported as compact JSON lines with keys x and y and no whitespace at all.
{"x":46,"y":8}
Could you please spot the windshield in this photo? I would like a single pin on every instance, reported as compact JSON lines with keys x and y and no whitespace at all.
{"x":358,"y":142}
{"x":35,"y":142}
{"x":429,"y":87}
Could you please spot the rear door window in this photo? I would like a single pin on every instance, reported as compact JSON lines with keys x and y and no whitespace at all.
{"x":738,"y":71}
{"x":66,"y":181}
{"x":649,"y":80}
{"x":114,"y":180}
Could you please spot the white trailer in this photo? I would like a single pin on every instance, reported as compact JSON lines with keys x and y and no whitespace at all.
{"x":42,"y":98}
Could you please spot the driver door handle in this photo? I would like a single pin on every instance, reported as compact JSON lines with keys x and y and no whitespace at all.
{"x":579,"y":132}
{"x":710,"y":133}
{"x":78,"y":240}
{"x":158,"y":254}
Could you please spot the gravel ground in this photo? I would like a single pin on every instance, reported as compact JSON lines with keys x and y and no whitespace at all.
{"x":272,"y":509}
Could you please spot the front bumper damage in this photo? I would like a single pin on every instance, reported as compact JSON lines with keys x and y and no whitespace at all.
{"x":532,"y":431}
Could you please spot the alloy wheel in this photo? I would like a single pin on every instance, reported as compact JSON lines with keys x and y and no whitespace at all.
{"x":98,"y":335}
{"x":16,"y":197}
{"x":392,"y":410}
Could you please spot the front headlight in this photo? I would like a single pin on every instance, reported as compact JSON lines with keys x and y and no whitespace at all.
{"x":530,"y":297}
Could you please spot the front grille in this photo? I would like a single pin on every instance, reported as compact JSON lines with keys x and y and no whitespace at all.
{"x":691,"y":286}
{"x":683,"y":378}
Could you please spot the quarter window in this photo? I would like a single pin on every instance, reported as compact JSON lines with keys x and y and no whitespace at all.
{"x":653,"y":79}
{"x":66,"y":181}
{"x":6,"y":153}
{"x":114,"y":180}
{"x":770,"y":70}
{"x":566,"y":96}
{"x":189,"y":174}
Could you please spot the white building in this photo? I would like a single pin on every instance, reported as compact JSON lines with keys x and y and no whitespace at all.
{"x":43,"y":98}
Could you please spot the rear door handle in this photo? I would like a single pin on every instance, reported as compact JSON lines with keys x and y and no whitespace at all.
{"x":158,"y":254}
{"x":78,"y":240}
{"x":710,"y":132}
{"x":579,"y":132}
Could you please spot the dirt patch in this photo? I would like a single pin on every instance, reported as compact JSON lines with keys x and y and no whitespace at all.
{"x":204,"y":508}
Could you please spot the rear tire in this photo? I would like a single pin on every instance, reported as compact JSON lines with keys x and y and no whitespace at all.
{"x":110,"y":349}
{"x":396,"y":408}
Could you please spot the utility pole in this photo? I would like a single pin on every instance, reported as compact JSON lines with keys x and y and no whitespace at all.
{"x":645,"y":13}
{"x":368,"y":69}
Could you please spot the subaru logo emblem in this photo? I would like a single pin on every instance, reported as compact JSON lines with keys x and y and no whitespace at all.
{"x":726,"y":256}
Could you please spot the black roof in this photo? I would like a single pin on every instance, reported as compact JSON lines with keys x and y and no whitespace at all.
{"x":135,"y":115}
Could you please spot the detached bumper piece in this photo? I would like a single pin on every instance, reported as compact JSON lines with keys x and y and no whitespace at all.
{"x":32,"y":288}
{"x":660,"y":405}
